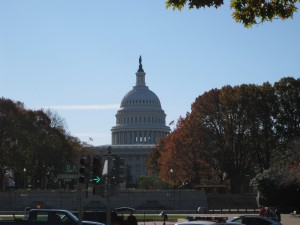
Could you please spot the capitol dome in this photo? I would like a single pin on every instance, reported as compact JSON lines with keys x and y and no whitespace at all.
{"x":142,"y":97}
{"x":140,"y":119}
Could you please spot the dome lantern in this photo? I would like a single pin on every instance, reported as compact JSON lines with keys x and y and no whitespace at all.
{"x":140,"y":74}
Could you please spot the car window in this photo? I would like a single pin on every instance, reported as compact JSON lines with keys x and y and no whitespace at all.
{"x":56,"y":218}
{"x":239,"y":220}
{"x":257,"y":221}
{"x":41,"y":217}
{"x":64,"y":218}
{"x":100,"y":216}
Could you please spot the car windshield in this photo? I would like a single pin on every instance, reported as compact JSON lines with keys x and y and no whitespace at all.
{"x":71,"y":216}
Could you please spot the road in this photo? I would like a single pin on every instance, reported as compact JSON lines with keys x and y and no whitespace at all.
{"x":286,"y":219}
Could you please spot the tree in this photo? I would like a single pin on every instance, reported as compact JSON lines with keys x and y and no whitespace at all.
{"x":262,"y":112}
{"x":177,"y":161}
{"x":280,"y":185}
{"x":180,"y":159}
{"x":11,"y":113}
{"x":50,"y":149}
{"x":274,"y":189}
{"x":151,"y":162}
{"x":34,"y":142}
{"x":149,"y":183}
{"x":287,"y":90}
{"x":223,"y":128}
{"x":238,"y":132}
{"x":247,"y":12}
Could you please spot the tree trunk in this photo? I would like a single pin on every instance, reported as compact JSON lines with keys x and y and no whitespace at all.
{"x":235,"y":182}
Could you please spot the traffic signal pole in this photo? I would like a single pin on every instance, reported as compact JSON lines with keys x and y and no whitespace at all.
{"x":80,"y":203}
{"x":83,"y":181}
{"x":108,"y":188}
{"x":104,"y":176}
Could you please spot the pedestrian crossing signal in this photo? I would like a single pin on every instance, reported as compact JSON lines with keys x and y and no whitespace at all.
{"x":97,"y":177}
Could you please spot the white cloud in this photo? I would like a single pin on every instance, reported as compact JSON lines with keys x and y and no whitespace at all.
{"x":82,"y":107}
{"x":92,"y":135}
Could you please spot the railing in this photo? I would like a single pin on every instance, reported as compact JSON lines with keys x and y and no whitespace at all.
{"x":237,"y":211}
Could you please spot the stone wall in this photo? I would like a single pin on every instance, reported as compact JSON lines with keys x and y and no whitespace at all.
{"x":231,"y":201}
{"x":142,"y":200}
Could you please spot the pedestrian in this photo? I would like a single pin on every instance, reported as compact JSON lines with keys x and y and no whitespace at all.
{"x":277,"y":212}
{"x":131,"y":220}
{"x":269,"y":213}
{"x":262,"y":211}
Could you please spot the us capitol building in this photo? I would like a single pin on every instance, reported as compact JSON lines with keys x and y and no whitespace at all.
{"x":140,"y":122}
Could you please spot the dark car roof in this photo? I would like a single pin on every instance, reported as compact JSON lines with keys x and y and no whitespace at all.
{"x":254,"y":216}
{"x":124,"y":209}
{"x":50,"y":210}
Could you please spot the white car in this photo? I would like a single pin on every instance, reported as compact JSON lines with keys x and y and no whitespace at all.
{"x":254,"y":220}
{"x":206,"y":222}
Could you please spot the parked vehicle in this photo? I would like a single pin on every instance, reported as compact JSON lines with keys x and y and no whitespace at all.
{"x":117,"y":217}
{"x":208,"y":218}
{"x":48,"y":216}
{"x":207,"y":222}
{"x":253,"y":220}
{"x":100,"y":217}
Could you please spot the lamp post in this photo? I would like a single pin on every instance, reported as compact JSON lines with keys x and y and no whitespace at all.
{"x":24,"y":183}
{"x":172,"y":178}
{"x":171,"y":195}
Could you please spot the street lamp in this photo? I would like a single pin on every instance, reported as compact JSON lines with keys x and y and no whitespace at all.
{"x":172,"y":178}
{"x":24,"y":183}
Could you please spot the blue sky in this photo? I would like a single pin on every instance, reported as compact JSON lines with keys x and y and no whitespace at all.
{"x":79,"y":58}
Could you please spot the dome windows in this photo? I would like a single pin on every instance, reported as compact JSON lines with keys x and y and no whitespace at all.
{"x":142,"y":102}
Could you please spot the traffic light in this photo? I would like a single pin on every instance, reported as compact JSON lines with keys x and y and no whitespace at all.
{"x":84,"y":170}
{"x":97,"y":177}
{"x":113,"y":179}
{"x":121,"y":172}
{"x":117,"y":170}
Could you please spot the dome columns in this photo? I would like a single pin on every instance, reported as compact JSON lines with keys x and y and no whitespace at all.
{"x":136,"y":137}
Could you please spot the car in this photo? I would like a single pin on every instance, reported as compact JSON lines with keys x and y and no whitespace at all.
{"x":100,"y":217}
{"x":207,"y":222}
{"x":254,"y":220}
{"x":116,"y":215}
{"x":48,"y":216}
